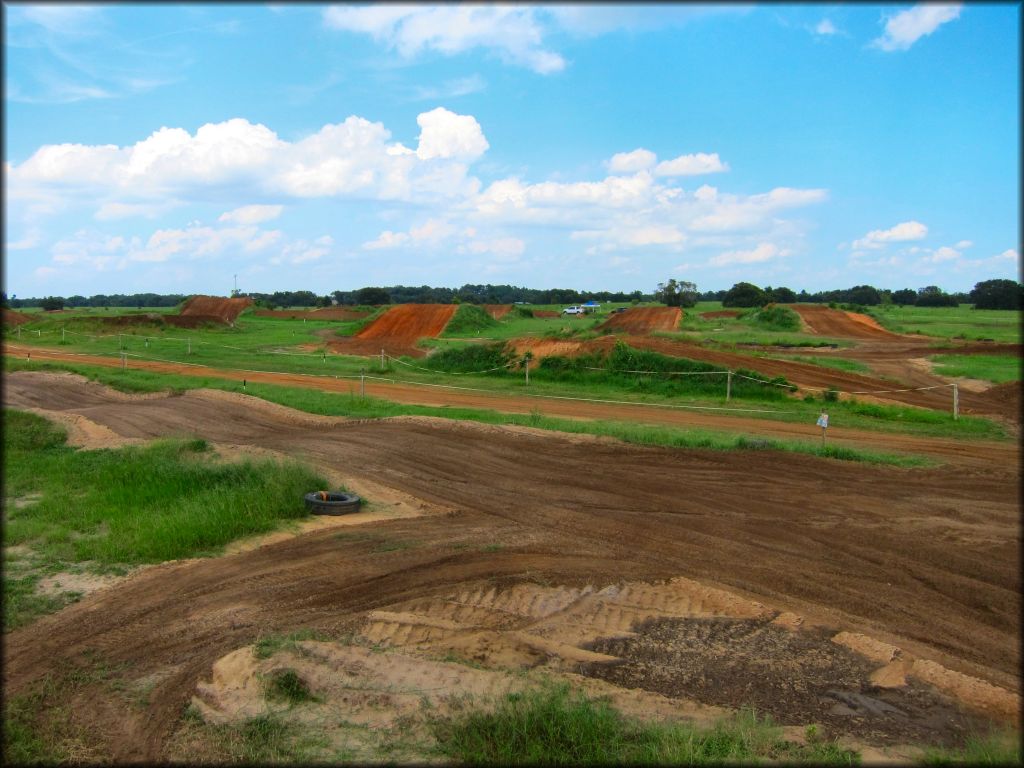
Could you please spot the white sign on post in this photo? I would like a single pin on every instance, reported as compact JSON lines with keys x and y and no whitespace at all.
{"x":823,"y":421}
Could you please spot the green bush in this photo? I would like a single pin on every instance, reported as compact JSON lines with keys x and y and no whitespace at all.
{"x":476,"y":357}
{"x":775,"y":318}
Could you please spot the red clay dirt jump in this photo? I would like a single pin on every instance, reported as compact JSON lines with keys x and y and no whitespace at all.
{"x":397,"y":331}
{"x":642,"y":320}
{"x":919,"y":567}
{"x":224,"y":310}
{"x":12,"y":318}
{"x":497,"y":311}
{"x":840,"y":324}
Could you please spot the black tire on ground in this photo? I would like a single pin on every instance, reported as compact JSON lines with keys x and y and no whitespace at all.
{"x":336,"y":503}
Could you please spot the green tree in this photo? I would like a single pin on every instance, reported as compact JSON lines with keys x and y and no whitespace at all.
{"x":744,"y":295}
{"x":933,"y":296}
{"x":51,"y":303}
{"x":997,"y":294}
{"x":904,"y":297}
{"x":372,"y":296}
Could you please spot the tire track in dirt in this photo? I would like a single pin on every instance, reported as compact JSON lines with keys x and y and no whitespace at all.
{"x":840,"y":543}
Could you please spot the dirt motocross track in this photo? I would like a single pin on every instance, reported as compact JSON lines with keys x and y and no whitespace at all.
{"x":641,"y":320}
{"x":840,"y":324}
{"x":925,"y":559}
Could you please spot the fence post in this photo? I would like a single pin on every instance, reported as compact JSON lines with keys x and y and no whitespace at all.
{"x":728,"y":386}
{"x":956,"y":402}
{"x":62,"y":336}
{"x":382,"y":358}
{"x":19,"y":332}
{"x":362,"y":382}
{"x":124,"y":360}
{"x":190,"y":346}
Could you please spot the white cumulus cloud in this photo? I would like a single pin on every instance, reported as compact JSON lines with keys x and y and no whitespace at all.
{"x":445,"y":134}
{"x":691,"y":165}
{"x":825,"y":27}
{"x":905,"y":28}
{"x":902,"y":232}
{"x":630,"y":162}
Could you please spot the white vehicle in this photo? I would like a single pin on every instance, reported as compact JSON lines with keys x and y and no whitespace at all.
{"x":574,"y":310}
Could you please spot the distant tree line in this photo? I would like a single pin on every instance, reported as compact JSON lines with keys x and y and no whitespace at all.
{"x":988,"y":294}
{"x":120,"y":300}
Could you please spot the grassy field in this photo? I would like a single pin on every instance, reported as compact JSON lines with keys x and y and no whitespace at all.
{"x":77,"y":511}
{"x":995,"y":368}
{"x":963,"y":322}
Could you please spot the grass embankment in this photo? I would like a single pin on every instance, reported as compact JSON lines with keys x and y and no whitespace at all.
{"x":469,"y":319}
{"x":353,"y":406}
{"x":104,"y":511}
{"x":553,"y":726}
{"x":995,"y":368}
{"x":963,"y":322}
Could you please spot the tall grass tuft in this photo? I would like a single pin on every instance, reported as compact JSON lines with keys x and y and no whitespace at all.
{"x":469,"y":318}
{"x":555,"y":726}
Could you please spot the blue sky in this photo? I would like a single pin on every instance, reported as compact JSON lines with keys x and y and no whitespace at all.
{"x":168,"y":148}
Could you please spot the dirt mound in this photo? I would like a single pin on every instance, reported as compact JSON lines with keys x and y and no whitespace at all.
{"x":12,"y":318}
{"x":324,"y":313}
{"x":397,"y":331}
{"x":641,"y":320}
{"x":498,"y":311}
{"x":825,"y":321}
{"x":223,"y":310}
{"x":720,"y":313}
{"x":546,"y":313}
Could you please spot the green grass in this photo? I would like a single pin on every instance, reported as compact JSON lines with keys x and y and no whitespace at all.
{"x":996,"y":748}
{"x":995,"y":368}
{"x":286,"y":685}
{"x":267,"y":645}
{"x":963,"y":322}
{"x":773,"y":317}
{"x":838,"y":363}
{"x":469,"y":319}
{"x":128,"y":506}
{"x":555,"y":726}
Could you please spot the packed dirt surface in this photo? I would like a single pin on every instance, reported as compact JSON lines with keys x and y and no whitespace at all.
{"x":840,"y":324}
{"x":12,"y":318}
{"x":497,"y":311}
{"x":720,"y":313}
{"x":641,"y":320}
{"x":397,"y":331}
{"x":550,"y":545}
{"x":546,"y":313}
{"x":323,"y":313}
{"x":225,"y":310}
{"x":973,"y":452}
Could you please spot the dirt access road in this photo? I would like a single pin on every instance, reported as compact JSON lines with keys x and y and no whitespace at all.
{"x":926,"y":559}
{"x":974,"y":452}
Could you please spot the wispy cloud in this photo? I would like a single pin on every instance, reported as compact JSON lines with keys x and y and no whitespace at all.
{"x":905,"y":28}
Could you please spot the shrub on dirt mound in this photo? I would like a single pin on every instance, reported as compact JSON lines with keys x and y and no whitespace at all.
{"x":478,"y":357}
{"x":521,"y":312}
{"x":773,"y":317}
{"x":469,"y":318}
{"x":224,"y":310}
{"x":647,"y":371}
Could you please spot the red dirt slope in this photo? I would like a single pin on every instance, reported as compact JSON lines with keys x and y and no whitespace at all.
{"x":642,"y":320}
{"x":398,"y":330}
{"x":497,"y":311}
{"x":13,"y":318}
{"x":224,"y":310}
{"x":843,"y":325}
